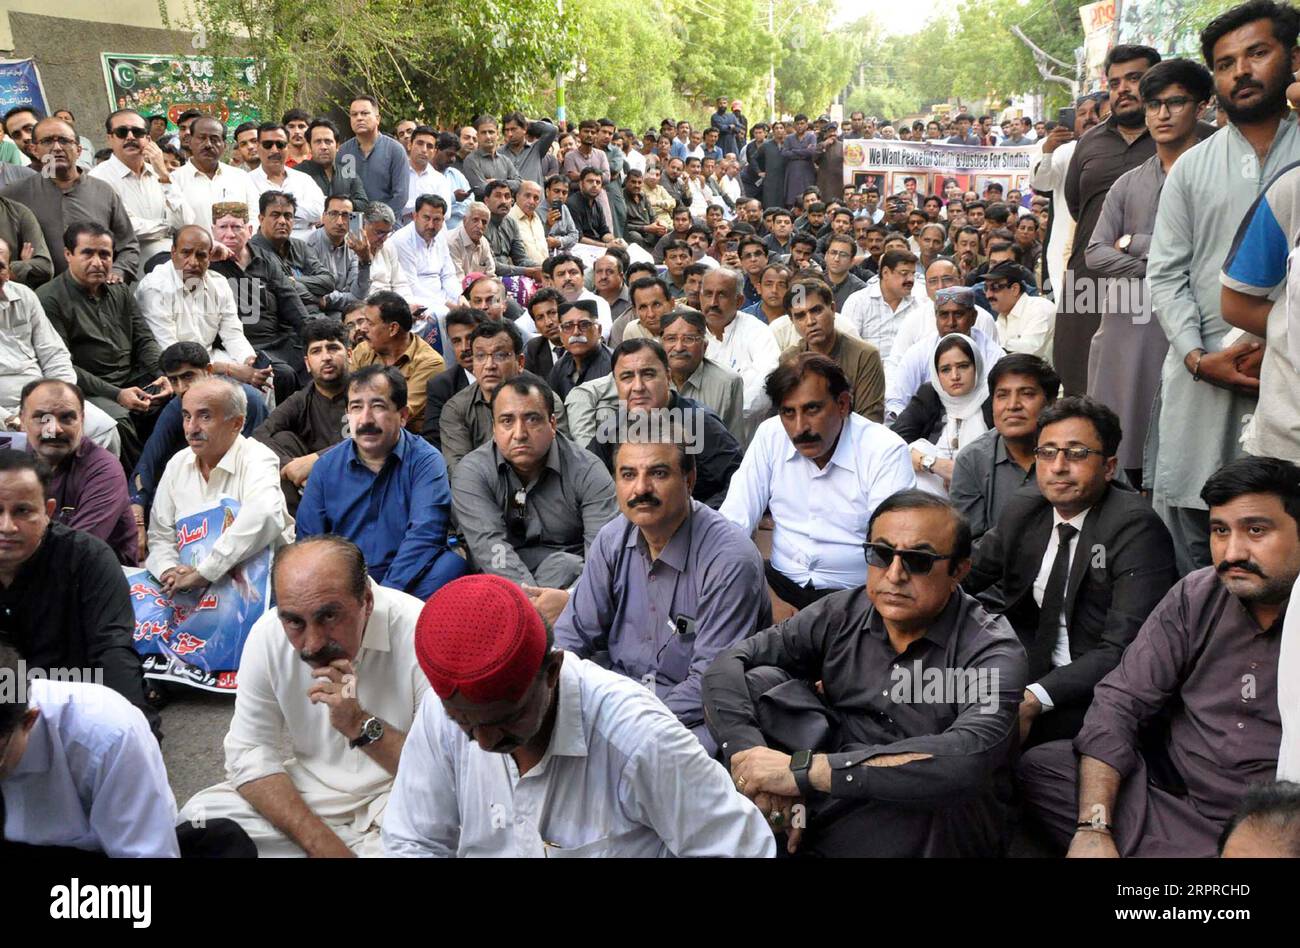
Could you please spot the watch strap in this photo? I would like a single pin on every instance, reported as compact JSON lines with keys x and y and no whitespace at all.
{"x":363,"y":739}
{"x":800,"y":764}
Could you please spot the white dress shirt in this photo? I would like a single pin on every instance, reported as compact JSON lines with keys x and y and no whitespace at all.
{"x":1029,"y":327}
{"x":386,"y":272}
{"x":621,"y":777}
{"x":428,"y":181}
{"x":429,"y":268}
{"x":747,"y":346}
{"x":920,"y":324}
{"x":277,"y":730}
{"x":310,"y":198}
{"x":30,"y":347}
{"x":177,"y":313}
{"x":227,"y":183}
{"x":875,"y":322}
{"x":1061,"y":649}
{"x":905,"y":379}
{"x":820,"y":514}
{"x":155,"y":210}
{"x":91,"y":777}
{"x":248,"y":474}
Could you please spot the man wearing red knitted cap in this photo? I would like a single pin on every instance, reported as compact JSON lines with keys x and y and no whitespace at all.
{"x":530,"y":751}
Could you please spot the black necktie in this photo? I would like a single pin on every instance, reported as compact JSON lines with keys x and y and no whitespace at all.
{"x":1049,"y":614}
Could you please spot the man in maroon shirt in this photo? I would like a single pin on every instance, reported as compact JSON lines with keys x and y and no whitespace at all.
{"x":89,"y":486}
{"x":1189,"y":719}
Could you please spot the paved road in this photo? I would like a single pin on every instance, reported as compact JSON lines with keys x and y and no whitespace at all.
{"x":194,"y":725}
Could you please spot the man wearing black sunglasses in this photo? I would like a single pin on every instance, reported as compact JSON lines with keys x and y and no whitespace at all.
{"x":1078,"y":561}
{"x":138,"y":173}
{"x":273,"y":174}
{"x":917,"y":702}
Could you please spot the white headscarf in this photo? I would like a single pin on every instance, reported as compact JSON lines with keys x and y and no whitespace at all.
{"x":963,"y":414}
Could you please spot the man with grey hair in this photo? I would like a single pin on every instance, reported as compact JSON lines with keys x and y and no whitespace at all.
{"x":377,"y":260}
{"x":323,"y":708}
{"x":738,"y":341}
{"x":468,"y":243}
{"x":222,"y":467}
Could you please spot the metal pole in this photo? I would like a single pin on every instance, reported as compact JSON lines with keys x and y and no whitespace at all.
{"x":771,"y":62}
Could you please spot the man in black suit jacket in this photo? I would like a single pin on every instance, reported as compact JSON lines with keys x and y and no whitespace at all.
{"x":543,"y":351}
{"x":1076,"y":562}
{"x":461,"y":322}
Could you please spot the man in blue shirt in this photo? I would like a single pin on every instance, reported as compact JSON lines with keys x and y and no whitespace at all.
{"x":385,"y":489}
{"x":378,"y":160}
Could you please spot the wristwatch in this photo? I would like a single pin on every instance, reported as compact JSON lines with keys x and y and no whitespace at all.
{"x":927,"y":463}
{"x":371,"y":731}
{"x":1123,"y":242}
{"x":799,"y":765}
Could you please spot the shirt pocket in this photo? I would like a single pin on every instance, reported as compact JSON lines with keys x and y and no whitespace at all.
{"x":596,"y":849}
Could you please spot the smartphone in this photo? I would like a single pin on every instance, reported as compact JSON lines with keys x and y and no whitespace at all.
{"x":732,"y":246}
{"x":1066,"y":117}
{"x":354,"y":225}
{"x":153,"y":389}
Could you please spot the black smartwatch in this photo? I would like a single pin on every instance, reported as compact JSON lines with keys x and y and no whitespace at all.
{"x":799,"y":765}
{"x":371,"y":731}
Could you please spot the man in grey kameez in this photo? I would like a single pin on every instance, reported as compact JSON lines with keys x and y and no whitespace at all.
{"x":1129,"y":346}
{"x":1207,"y":380}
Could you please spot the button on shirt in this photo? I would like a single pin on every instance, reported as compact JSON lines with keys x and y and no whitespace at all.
{"x":271,"y":705}
{"x":310,"y":198}
{"x":874,"y":321}
{"x":610,"y":784}
{"x":227,"y":183}
{"x":1061,"y":649}
{"x":629,"y":605}
{"x":820,"y":514}
{"x":747,"y":346}
{"x":248,"y":474}
{"x":428,"y":181}
{"x":398,"y":516}
{"x":428,"y":267}
{"x":29,"y":347}
{"x":1029,"y":327}
{"x":176,"y":312}
{"x":156,"y":211}
{"x":91,"y":777}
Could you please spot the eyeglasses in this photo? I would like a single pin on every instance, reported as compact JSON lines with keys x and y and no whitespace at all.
{"x":582,"y":325}
{"x":129,"y":131}
{"x":689,"y":339}
{"x":274,"y":144}
{"x":336,"y":215}
{"x":49,"y":141}
{"x":500,"y":358}
{"x":1072,"y":453}
{"x":916,"y":562}
{"x":1176,"y":104}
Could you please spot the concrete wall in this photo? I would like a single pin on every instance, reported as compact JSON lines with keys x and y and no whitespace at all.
{"x":67,"y":47}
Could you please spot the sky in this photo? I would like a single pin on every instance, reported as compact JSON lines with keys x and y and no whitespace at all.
{"x":887,"y":13}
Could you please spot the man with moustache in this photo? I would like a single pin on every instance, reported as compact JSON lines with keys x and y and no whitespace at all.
{"x":1176,"y":735}
{"x":139,"y":175}
{"x":205,"y":180}
{"x":461,"y":323}
{"x":585,"y":356}
{"x":710,"y":593}
{"x":87,"y":483}
{"x":311,"y":420}
{"x":1210,"y":379}
{"x":695,"y":376}
{"x":329,"y":686}
{"x":385,"y":488}
{"x":821,"y":469}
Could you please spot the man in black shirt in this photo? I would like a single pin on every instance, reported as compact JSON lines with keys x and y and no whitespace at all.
{"x":904,"y":746}
{"x":64,"y":600}
{"x":584,"y":205}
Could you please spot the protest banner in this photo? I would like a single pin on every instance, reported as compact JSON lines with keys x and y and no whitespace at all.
{"x":887,"y":165}
{"x":20,"y":84}
{"x":169,"y":85}
{"x":196,"y":638}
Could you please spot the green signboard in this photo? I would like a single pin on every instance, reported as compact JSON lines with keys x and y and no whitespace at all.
{"x":169,"y":85}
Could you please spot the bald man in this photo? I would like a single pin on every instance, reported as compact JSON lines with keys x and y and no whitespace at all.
{"x":622,"y":776}
{"x":333,"y":669}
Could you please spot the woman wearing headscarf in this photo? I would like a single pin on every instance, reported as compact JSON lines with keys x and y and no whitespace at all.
{"x":948,"y":412}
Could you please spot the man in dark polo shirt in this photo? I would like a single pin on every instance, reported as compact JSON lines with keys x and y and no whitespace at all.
{"x":64,"y":600}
